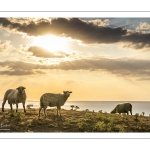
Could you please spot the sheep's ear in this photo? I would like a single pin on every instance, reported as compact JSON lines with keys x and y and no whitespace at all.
{"x":64,"y":91}
{"x":17,"y":88}
{"x":70,"y":92}
{"x":24,"y":88}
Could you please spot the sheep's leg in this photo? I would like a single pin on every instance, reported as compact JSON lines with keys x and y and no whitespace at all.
{"x":59,"y":110}
{"x":16,"y":107}
{"x":45,"y":114}
{"x":131,"y":112}
{"x":3,"y":105}
{"x":11,"y":107}
{"x":24,"y":107}
{"x":40,"y":110}
{"x":127,"y":113}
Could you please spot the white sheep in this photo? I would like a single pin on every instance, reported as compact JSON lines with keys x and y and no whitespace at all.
{"x":51,"y":99}
{"x":122,"y":108}
{"x":15,"y":96}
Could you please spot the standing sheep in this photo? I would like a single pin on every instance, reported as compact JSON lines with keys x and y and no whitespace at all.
{"x":51,"y":99}
{"x":15,"y":96}
{"x":122,"y":108}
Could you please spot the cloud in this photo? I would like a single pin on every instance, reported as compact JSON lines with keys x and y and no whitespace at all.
{"x":19,"y":68}
{"x":4,"y":45}
{"x":73,"y":27}
{"x":139,"y":69}
{"x":137,"y":40}
{"x":89,"y":32}
{"x":99,"y":22}
{"x":19,"y":72}
{"x":41,"y":52}
{"x":144,"y":26}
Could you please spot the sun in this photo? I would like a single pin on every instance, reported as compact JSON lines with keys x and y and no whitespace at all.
{"x":51,"y":43}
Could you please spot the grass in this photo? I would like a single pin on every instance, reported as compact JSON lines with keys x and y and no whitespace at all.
{"x":72,"y":121}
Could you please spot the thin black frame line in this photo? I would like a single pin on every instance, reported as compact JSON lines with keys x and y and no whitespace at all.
{"x":80,"y":138}
{"x":74,"y":11}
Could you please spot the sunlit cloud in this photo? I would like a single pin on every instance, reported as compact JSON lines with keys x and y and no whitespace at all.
{"x":134,"y":68}
{"x":51,"y":43}
{"x":44,"y":53}
{"x":92,"y":32}
{"x":5,"y":46}
{"x":144,"y":26}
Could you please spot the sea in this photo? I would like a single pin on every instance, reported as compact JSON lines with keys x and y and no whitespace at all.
{"x":96,"y":106}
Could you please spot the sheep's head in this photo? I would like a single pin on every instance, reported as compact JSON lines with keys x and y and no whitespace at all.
{"x":67,"y":93}
{"x":21,"y":89}
{"x":113,"y":111}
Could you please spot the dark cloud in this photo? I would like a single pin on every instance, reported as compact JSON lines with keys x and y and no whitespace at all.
{"x":41,"y":52}
{"x":137,"y":40}
{"x":73,"y":27}
{"x":86,"y":31}
{"x":120,"y":67}
{"x":19,"y":68}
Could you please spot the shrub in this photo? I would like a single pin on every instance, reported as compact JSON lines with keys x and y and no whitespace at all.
{"x":101,"y":126}
{"x":82,"y":125}
{"x":99,"y":117}
{"x":29,"y":122}
{"x":17,"y":115}
{"x":100,"y":111}
{"x":119,"y":128}
{"x":67,"y":121}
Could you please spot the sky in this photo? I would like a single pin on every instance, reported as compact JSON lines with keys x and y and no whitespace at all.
{"x":95,"y":58}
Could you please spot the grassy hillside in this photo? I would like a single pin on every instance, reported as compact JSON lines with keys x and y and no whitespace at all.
{"x":71,"y":121}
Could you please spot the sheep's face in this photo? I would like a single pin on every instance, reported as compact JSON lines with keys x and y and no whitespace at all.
{"x":67,"y":93}
{"x":21,"y":89}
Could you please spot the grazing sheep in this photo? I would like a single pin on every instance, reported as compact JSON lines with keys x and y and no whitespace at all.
{"x":15,"y":96}
{"x":122,"y":108}
{"x":51,"y":99}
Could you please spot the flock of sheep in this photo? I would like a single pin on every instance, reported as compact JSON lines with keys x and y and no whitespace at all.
{"x":18,"y":95}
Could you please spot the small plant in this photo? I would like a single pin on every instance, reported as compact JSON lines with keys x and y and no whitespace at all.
{"x":100,"y":111}
{"x":87,"y":110}
{"x":107,"y":120}
{"x":67,"y":121}
{"x":72,"y":106}
{"x":88,"y":116}
{"x":5,"y":121}
{"x":29,"y":107}
{"x":99,"y":126}
{"x":17,"y":115}
{"x":29,"y":123}
{"x":143,"y":113}
{"x":82,"y":125}
{"x":119,"y":128}
{"x":124,"y":117}
{"x":76,"y":107}
{"x":137,"y":115}
{"x":99,"y":117}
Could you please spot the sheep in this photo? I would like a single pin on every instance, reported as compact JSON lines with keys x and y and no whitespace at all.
{"x":15,"y":96}
{"x":122,"y":108}
{"x":52,"y":99}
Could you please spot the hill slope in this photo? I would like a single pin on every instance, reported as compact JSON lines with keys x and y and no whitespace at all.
{"x":71,"y":121}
